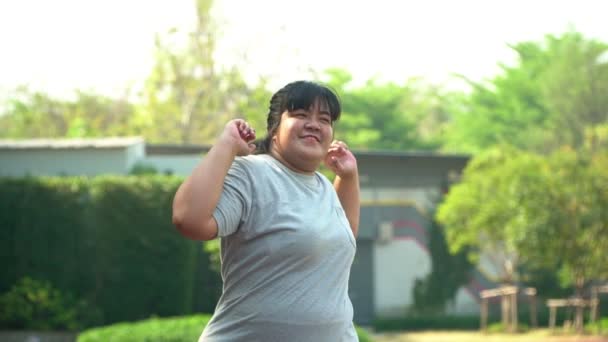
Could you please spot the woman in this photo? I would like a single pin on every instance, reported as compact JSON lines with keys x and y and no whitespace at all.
{"x":287,"y":235}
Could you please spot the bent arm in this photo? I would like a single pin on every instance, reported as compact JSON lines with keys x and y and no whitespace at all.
{"x":197,"y":197}
{"x":347,"y":189}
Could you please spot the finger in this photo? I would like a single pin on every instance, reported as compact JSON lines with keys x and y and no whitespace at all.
{"x":245,"y":131}
{"x":340,"y":143}
{"x":336,"y":150}
{"x":336,"y":163}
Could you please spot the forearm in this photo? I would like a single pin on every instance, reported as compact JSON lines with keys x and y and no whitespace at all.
{"x":348,"y":193}
{"x":198,"y":196}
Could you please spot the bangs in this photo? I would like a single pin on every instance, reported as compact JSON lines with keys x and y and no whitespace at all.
{"x":305,"y":94}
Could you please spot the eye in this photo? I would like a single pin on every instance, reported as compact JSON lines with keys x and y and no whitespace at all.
{"x":326,"y":119}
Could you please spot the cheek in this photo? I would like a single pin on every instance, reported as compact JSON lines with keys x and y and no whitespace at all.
{"x":329,"y":132}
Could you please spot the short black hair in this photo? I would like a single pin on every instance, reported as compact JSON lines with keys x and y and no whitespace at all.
{"x":297,"y":95}
{"x":303,"y":95}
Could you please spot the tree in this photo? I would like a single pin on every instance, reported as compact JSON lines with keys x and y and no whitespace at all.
{"x":33,"y":114}
{"x":578,"y":221}
{"x":188,"y":98}
{"x":574,"y":87}
{"x":449,"y":272}
{"x":478,"y":211}
{"x":388,"y":115}
{"x":542,"y":211}
{"x":551,"y":97}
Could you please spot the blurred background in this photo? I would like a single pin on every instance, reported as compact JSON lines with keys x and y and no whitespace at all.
{"x":480,"y":127}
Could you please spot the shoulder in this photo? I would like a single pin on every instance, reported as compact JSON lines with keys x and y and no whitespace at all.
{"x":251,"y":166}
{"x":250,"y":163}
{"x":324,"y":180}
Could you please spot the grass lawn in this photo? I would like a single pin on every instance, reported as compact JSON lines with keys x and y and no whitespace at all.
{"x":541,"y":335}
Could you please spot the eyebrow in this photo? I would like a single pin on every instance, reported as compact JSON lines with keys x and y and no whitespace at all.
{"x":321,"y":112}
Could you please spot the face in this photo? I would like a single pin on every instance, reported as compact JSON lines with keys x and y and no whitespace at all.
{"x":303,"y":137}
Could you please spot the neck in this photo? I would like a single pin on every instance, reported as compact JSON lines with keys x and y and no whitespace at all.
{"x":303,"y":167}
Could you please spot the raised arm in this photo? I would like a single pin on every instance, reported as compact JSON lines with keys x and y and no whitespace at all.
{"x":343,"y":163}
{"x":197,"y":197}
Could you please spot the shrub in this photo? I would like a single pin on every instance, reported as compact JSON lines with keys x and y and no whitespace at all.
{"x":363,"y":335}
{"x":176,"y":329}
{"x":599,"y":326}
{"x":37,"y":305}
{"x":108,"y":240}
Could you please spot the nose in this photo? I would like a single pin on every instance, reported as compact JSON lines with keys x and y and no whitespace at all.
{"x":313,"y":123}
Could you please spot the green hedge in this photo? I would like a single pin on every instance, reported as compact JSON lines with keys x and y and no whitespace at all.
{"x":155,"y":329}
{"x":427,"y":322}
{"x":177,"y":329}
{"x":106,"y":240}
{"x":43,"y":233}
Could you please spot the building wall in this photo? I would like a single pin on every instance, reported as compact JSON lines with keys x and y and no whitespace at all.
{"x":398,"y":264}
{"x":464,"y":303}
{"x":134,"y":154}
{"x":57,"y":162}
{"x":181,"y":164}
{"x":402,"y":257}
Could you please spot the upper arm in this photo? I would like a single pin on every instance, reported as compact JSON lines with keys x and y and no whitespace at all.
{"x":235,"y":201}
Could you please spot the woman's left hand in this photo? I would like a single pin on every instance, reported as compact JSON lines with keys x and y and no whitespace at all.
{"x":341,"y":160}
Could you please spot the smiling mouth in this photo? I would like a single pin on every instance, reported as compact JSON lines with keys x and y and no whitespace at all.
{"x":313,"y":137}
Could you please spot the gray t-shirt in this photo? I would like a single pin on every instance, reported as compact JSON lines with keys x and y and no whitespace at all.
{"x":286,"y":251}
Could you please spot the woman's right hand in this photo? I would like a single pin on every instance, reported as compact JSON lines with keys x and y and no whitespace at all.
{"x":240,"y":136}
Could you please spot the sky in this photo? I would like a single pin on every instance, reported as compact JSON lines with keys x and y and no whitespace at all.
{"x":106,"y":46}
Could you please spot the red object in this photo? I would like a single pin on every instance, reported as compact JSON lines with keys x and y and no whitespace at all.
{"x":247,"y":136}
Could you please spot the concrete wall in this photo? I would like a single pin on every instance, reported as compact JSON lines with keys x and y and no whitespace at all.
{"x":464,"y":303}
{"x":181,"y":164}
{"x":397,"y":265}
{"x":56,"y":162}
{"x":134,"y":154}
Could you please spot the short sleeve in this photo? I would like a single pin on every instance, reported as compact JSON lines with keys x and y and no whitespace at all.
{"x":235,"y":200}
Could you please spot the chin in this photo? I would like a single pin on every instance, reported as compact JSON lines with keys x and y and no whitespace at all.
{"x":313,"y":154}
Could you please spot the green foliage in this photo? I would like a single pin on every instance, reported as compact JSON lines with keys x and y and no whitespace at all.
{"x":188,"y":98}
{"x":43,"y":233}
{"x":107,"y":240}
{"x":363,"y":335}
{"x":175,"y":329}
{"x":545,"y":212}
{"x":601,"y":325}
{"x":37,"y":305}
{"x":133,"y":225}
{"x":449,"y":272}
{"x":386,"y":115}
{"x":31,"y":114}
{"x":500,"y":328}
{"x":143,"y":169}
{"x":551,"y":97}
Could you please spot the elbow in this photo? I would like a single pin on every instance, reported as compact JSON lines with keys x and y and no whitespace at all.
{"x":178,"y":222}
{"x":178,"y":219}
{"x":180,"y":225}
{"x":192,"y":229}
